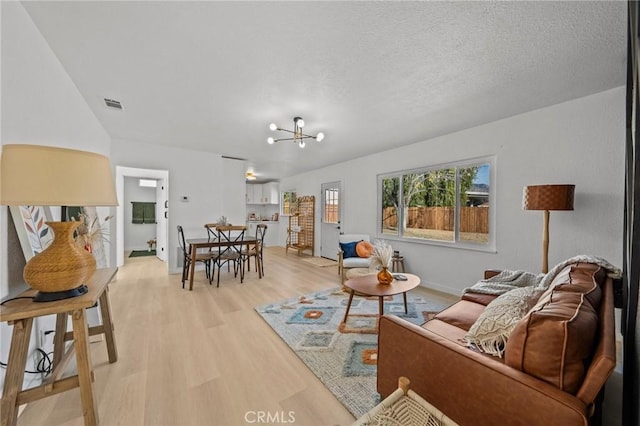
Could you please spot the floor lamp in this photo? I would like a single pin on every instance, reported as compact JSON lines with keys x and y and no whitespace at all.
{"x":32,"y":175}
{"x":546,"y":198}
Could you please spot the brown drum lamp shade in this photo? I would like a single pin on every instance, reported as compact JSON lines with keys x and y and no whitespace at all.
{"x":546,"y":198}
{"x":34,"y":175}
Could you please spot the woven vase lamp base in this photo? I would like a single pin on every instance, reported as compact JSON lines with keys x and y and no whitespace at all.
{"x":60,"y":271}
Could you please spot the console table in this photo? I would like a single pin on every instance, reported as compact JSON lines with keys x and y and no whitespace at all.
{"x":21,"y":312}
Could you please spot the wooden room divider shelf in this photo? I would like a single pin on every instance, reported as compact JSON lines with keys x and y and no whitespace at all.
{"x":300,"y":234}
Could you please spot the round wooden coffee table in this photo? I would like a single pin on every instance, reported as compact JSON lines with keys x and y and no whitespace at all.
{"x":368,"y":285}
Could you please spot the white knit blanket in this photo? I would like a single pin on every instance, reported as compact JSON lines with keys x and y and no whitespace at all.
{"x":509,"y":280}
{"x":612,"y":271}
{"x":505,"y":281}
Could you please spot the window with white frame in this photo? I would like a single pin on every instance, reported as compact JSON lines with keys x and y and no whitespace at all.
{"x":289,"y":202}
{"x":448,"y":204}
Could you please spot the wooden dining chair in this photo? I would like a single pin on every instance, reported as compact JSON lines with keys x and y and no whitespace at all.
{"x":231,"y":240}
{"x":212,"y":235}
{"x":211,"y":231}
{"x":205,"y":258}
{"x":256,"y":250}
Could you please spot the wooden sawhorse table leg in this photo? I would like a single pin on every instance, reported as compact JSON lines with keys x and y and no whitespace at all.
{"x":85,"y":369}
{"x":107,"y":325}
{"x":17,"y":361}
{"x":106,"y":328}
{"x":15,"y":371}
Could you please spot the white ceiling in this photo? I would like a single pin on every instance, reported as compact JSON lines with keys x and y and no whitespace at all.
{"x":371,"y":75}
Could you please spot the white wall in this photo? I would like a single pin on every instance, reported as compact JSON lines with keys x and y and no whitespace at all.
{"x":40,"y":105}
{"x":233,"y":199}
{"x":136,"y":235}
{"x":200,"y":176}
{"x":580,"y":142}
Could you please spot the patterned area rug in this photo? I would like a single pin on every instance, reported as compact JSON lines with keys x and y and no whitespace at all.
{"x":343,"y":356}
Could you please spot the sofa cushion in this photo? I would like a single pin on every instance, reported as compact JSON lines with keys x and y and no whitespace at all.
{"x":490,"y":332}
{"x":581,"y":278}
{"x":349,"y":249}
{"x":445,"y":330}
{"x":483,"y":299}
{"x":461,"y":314}
{"x":364,"y":249}
{"x":584,"y":278}
{"x":554,"y":343}
{"x":555,"y":340}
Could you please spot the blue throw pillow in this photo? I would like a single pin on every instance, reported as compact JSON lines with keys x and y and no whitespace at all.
{"x":349,"y":249}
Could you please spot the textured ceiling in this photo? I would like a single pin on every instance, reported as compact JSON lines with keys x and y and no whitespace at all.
{"x":371,"y":75}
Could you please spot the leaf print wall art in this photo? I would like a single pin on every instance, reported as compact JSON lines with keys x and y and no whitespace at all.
{"x":34,"y":234}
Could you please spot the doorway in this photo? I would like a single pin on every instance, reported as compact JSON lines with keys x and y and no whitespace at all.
{"x":162,"y":209}
{"x":331,"y":219}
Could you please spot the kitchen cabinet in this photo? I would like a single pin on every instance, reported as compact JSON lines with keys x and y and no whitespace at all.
{"x":267,"y":193}
{"x":270,"y":193}
{"x":271,"y":238}
{"x":254,"y":194}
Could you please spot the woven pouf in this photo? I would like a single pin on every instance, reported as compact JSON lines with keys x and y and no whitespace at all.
{"x":358,"y":272}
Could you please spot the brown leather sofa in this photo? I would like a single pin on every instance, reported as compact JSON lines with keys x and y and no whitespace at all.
{"x":554,"y":367}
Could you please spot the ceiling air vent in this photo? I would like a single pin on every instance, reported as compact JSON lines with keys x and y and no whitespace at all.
{"x":111,"y":103}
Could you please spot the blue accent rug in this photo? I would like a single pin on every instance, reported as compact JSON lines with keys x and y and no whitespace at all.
{"x":343,"y":356}
{"x":315,"y":315}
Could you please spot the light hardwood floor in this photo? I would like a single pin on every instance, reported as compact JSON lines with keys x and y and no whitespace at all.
{"x":203,"y":357}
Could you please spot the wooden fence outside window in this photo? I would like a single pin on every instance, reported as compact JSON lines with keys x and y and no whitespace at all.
{"x":472,"y":219}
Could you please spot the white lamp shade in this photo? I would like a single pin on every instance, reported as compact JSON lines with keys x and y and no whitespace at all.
{"x":51,"y":176}
{"x":270,"y":141}
{"x":320,"y":136}
{"x":273,"y":126}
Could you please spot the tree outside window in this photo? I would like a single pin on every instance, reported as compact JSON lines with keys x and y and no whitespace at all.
{"x":289,"y":203}
{"x":448,"y":203}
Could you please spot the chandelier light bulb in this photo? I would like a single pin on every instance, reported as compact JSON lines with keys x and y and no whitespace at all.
{"x":296,"y":135}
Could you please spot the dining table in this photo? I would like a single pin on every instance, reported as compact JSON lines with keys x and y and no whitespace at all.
{"x":200,"y":243}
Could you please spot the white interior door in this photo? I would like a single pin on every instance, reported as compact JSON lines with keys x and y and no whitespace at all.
{"x":331,"y":218}
{"x":162,"y":176}
{"x":162,"y":217}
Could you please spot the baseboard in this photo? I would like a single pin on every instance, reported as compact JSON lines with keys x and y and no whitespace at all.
{"x":440,"y":288}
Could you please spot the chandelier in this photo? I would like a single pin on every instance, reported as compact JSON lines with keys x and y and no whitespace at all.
{"x":298,"y":136}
